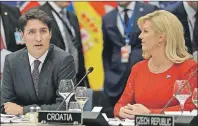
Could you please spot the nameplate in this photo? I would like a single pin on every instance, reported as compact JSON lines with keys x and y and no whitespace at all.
{"x":154,"y":120}
{"x":65,"y":117}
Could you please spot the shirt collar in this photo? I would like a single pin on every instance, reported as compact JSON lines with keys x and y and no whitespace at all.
{"x":189,"y":10}
{"x":131,"y":7}
{"x":55,"y":7}
{"x":41,"y":59}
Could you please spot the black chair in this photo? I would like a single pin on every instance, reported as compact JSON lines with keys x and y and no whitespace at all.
{"x":100,"y":99}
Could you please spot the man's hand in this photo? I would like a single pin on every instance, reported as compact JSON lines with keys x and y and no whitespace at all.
{"x":13,"y":109}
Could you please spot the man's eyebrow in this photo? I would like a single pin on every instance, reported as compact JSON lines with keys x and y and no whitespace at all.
{"x":31,"y":29}
{"x":44,"y":28}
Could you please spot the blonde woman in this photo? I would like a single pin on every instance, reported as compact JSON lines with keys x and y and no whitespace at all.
{"x":150,"y":84}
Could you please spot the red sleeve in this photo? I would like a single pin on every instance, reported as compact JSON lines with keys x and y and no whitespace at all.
{"x":128,"y":94}
{"x":187,"y":69}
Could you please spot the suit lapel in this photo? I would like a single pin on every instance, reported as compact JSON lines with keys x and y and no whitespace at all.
{"x":182,"y":16}
{"x":113,"y":26}
{"x":25,"y":72}
{"x":5,"y":20}
{"x":137,"y":13}
{"x":75,"y":26}
{"x":45,"y":74}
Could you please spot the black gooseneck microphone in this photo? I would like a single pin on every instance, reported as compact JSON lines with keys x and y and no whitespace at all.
{"x":88,"y":72}
{"x":179,"y":91}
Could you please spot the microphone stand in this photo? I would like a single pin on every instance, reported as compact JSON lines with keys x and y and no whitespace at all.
{"x":89,"y":71}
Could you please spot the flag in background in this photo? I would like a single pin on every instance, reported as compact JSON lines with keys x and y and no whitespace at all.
{"x":90,"y":20}
{"x":23,"y":5}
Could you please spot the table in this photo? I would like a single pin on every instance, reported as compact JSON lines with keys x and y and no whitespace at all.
{"x":28,"y":124}
{"x":100,"y":121}
{"x":185,"y":120}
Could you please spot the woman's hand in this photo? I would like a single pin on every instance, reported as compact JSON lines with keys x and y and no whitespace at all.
{"x":138,"y":109}
{"x":125,"y":112}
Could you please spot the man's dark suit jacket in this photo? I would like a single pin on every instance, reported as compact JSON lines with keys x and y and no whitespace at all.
{"x":179,"y":11}
{"x":10,"y":16}
{"x":18,"y":86}
{"x":57,"y":38}
{"x":116,"y":73}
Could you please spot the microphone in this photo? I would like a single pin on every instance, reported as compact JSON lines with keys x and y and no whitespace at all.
{"x":88,"y":72}
{"x":179,"y":91}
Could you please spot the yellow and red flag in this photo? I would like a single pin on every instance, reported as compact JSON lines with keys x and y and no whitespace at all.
{"x":89,"y":16}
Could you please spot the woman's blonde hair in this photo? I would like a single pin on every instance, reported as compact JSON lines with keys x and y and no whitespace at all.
{"x":165,"y":22}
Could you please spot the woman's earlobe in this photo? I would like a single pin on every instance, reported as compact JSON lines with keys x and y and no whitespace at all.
{"x":162,"y":37}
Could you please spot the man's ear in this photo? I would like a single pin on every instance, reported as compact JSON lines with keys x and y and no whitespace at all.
{"x":22,"y":36}
{"x":50,"y":34}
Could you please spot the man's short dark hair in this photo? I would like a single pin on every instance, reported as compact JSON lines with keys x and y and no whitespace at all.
{"x":37,"y":14}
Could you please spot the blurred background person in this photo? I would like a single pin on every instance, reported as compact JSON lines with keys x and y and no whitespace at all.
{"x":195,"y":41}
{"x":66,"y":34}
{"x":150,"y":84}
{"x":9,"y":25}
{"x":121,"y":45}
{"x":186,"y":13}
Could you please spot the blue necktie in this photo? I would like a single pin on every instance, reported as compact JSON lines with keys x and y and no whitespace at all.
{"x":35,"y":75}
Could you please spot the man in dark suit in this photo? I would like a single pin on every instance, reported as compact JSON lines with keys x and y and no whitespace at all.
{"x":31,"y":76}
{"x":185,"y":12}
{"x":120,"y":31}
{"x":195,"y":37}
{"x":9,"y":22}
{"x":66,"y":34}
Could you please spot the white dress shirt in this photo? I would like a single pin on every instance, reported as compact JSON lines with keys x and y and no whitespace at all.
{"x":41,"y":59}
{"x":131,"y":8}
{"x":191,"y":18}
{"x":3,"y":33}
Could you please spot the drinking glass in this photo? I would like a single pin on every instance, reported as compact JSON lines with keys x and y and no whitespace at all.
{"x":194,"y":97}
{"x":81,"y":96}
{"x":184,"y":87}
{"x":74,"y":106}
{"x":65,"y":87}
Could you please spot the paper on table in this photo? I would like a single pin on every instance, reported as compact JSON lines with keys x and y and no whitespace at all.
{"x":5,"y":115}
{"x":96,"y":109}
{"x":128,"y":122}
{"x":179,"y":113}
{"x":194,"y":112}
{"x":116,"y":121}
{"x":4,"y":52}
{"x":13,"y":119}
{"x":111,"y":121}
